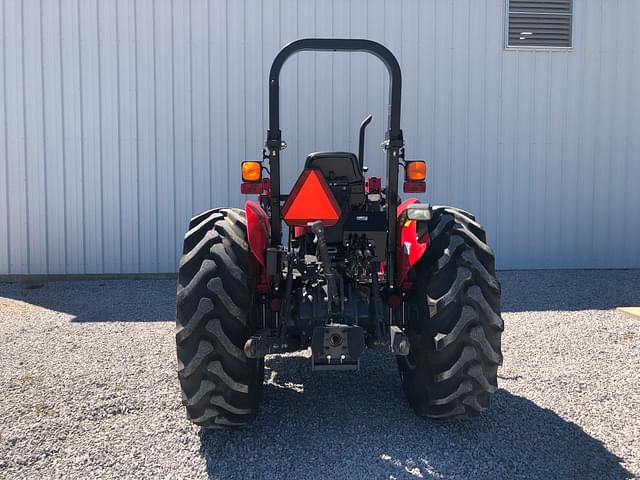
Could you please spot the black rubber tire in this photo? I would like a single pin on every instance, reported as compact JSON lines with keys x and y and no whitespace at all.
{"x":215,"y":315}
{"x":453,"y":321}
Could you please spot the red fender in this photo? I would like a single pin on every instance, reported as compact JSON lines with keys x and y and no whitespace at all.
{"x":258,"y":229}
{"x":410,"y":247}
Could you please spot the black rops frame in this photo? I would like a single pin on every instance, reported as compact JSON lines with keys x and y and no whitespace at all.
{"x":393,"y":137}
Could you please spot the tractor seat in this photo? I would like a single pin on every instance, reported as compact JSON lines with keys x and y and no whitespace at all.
{"x":336,"y":165}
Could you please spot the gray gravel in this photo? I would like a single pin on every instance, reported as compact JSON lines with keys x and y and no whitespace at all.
{"x":88,"y":389}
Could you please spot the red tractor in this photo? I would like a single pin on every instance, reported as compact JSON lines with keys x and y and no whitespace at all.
{"x":359,"y":269}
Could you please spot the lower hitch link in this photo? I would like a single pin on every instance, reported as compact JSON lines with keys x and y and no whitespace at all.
{"x":333,"y":292}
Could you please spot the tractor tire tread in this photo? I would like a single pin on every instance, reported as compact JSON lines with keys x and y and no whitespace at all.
{"x":221,"y":387}
{"x":455,"y":324}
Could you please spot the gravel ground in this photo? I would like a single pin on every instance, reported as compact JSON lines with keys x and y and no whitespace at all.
{"x":89,"y":390}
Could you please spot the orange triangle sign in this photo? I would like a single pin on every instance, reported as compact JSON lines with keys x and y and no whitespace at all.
{"x":311,"y":200}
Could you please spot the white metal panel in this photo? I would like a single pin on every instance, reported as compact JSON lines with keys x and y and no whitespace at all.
{"x":146,"y":134}
{"x":15,"y":133}
{"x":4,"y":165}
{"x":200,"y":102}
{"x":35,"y":153}
{"x":119,"y":120}
{"x":71,"y":202}
{"x":92,"y":168}
{"x":127,"y":98}
{"x":218,"y":115}
{"x":631,"y":115}
{"x":110,"y":169}
{"x":183,"y":161}
{"x":165,"y":103}
{"x":53,"y":119}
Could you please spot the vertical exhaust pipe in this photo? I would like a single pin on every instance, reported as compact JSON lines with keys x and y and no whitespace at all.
{"x":363,"y":127}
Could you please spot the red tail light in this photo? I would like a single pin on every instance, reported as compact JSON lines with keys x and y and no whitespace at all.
{"x":249,"y":188}
{"x":311,"y":200}
{"x":414,"y":187}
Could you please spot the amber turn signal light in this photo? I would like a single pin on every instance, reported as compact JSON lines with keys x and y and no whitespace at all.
{"x":251,"y":171}
{"x":415,"y":170}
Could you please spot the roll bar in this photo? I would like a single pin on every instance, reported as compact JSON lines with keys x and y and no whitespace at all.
{"x":335,"y":45}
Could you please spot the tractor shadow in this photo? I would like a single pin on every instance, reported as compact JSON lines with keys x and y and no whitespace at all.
{"x":359,"y":426}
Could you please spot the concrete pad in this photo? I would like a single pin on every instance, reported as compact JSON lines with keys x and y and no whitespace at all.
{"x":630,"y":311}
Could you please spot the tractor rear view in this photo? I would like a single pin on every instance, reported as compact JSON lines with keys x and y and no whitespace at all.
{"x":360,"y":269}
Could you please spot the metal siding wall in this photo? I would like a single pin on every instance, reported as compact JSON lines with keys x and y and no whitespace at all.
{"x":119,"y":120}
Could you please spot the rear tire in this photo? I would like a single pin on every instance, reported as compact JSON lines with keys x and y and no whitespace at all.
{"x":454,"y":322}
{"x":215,"y":314}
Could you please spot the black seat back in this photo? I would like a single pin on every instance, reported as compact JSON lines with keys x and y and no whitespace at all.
{"x":343,"y":174}
{"x":336,"y":165}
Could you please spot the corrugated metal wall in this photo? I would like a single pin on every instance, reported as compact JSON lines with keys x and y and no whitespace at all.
{"x":121,"y":119}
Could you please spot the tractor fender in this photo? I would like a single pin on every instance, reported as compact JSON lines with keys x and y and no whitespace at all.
{"x":411,"y":245}
{"x":258,"y":230}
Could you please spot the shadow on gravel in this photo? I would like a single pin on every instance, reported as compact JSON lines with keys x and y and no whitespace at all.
{"x":359,"y":426}
{"x":542,"y":290}
{"x":154,"y":300}
{"x":96,"y":300}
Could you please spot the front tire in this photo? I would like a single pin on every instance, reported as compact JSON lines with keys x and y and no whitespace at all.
{"x":215,"y":315}
{"x":454,"y":322}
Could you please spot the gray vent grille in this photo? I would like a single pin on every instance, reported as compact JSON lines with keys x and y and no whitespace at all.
{"x":539,"y":23}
